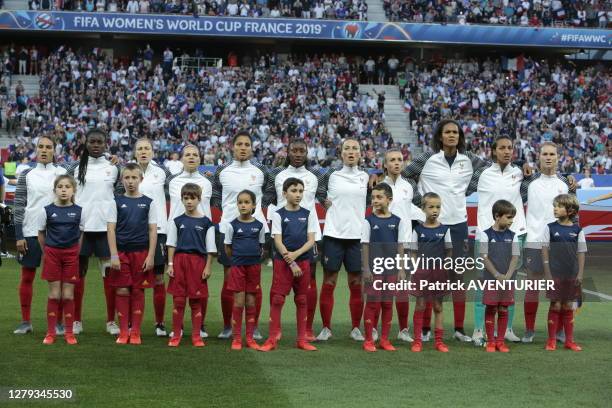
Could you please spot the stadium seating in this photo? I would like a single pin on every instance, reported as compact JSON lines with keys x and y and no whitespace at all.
{"x":514,"y":12}
{"x":338,"y":9}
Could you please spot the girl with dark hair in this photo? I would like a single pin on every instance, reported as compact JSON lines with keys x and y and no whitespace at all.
{"x":241,"y":173}
{"x":97,"y":181}
{"x":500,"y":181}
{"x":34,"y":191}
{"x":451,"y":172}
{"x":59,"y":225}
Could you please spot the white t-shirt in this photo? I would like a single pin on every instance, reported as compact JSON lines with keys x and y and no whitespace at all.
{"x":586,"y":183}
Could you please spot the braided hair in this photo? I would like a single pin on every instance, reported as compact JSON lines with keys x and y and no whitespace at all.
{"x":84,"y":156}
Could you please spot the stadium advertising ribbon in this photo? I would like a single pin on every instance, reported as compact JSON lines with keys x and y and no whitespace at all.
{"x":304,"y":29}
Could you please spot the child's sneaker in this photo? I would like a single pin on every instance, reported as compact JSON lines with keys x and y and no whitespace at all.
{"x":252,"y":344}
{"x":369,"y":346}
{"x":123,"y":339}
{"x":236,"y":345}
{"x":304,"y":345}
{"x":70,"y":339}
{"x":441,"y":347}
{"x":386,"y":345}
{"x":49,"y":339}
{"x":490,"y":347}
{"x":417,"y":347}
{"x":174,"y":342}
{"x":502,"y":348}
{"x":197,"y":342}
{"x":572,"y":346}
{"x":551,"y":345}
{"x":135,"y":338}
{"x":269,"y":345}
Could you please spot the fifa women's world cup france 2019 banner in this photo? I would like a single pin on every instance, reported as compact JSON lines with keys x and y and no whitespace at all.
{"x":303,"y":29}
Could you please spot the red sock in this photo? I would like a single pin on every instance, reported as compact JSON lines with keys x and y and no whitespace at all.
{"x":531,"y":309}
{"x":356,"y":304}
{"x":109,"y":293}
{"x":427,"y":316}
{"x":258,"y":301}
{"x":311,"y":299}
{"x":52,"y":305}
{"x":559,"y":322}
{"x":326,"y":303}
{"x":68,"y":305}
{"x":417,"y":324}
{"x":276,"y":306}
{"x":490,"y":322}
{"x":196,"y":317}
{"x":301,"y":312}
{"x":237,"y":322}
{"x":438,"y":336}
{"x":203,"y":309}
{"x":159,"y":301}
{"x":568,"y":325}
{"x":372,"y":309}
{"x":227,"y":303}
{"x":79,"y":291}
{"x":459,"y":309}
{"x":137,"y":304}
{"x":386,"y":317}
{"x":178,"y":312}
{"x":25,"y":292}
{"x":249,"y":316}
{"x":123,"y":312}
{"x":502,"y":324}
{"x":553,"y":318}
{"x":403,"y":309}
{"x":60,"y":311}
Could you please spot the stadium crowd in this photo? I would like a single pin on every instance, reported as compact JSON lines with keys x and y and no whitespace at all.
{"x":538,"y":102}
{"x":591,"y":13}
{"x":316,"y":98}
{"x":336,"y":9}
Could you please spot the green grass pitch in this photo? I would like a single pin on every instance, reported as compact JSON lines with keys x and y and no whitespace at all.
{"x":340,"y":374}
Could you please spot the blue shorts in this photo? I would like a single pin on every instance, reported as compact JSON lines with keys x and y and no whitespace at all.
{"x":533,"y":261}
{"x":160,"y":254}
{"x":31,"y":259}
{"x":459,"y":236}
{"x":95,"y":243}
{"x":336,"y":251}
{"x":220,"y":242}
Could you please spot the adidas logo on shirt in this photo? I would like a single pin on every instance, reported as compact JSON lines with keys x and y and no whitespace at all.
{"x":422,"y":235}
{"x":556,"y":234}
{"x":286,"y":219}
{"x":239,"y":230}
{"x":53,"y":215}
{"x":182,"y":226}
{"x":375,"y":227}
{"x":123,"y":206}
{"x":493,"y":240}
